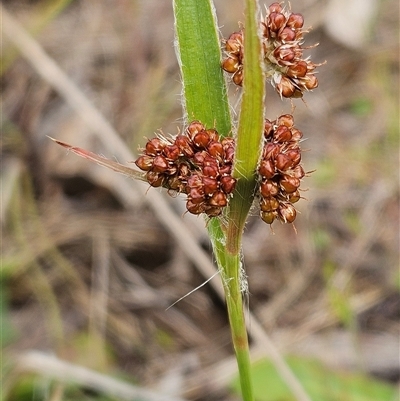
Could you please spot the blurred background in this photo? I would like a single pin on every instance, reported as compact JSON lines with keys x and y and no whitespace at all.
{"x":91,"y":260}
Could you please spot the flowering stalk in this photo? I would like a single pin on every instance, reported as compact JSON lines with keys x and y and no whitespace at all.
{"x":226,"y":233}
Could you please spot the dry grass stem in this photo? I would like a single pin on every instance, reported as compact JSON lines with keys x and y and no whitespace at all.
{"x":54,"y":368}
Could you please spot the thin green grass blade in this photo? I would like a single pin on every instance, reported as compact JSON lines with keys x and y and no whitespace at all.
{"x":199,"y":55}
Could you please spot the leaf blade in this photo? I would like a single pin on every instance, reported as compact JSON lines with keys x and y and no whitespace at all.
{"x":199,"y":55}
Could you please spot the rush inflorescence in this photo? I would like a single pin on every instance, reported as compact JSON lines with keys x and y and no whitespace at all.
{"x":280,"y":170}
{"x":282,"y":39}
{"x":197,"y":163}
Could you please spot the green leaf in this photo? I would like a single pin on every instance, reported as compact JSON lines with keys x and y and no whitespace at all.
{"x":320,"y":382}
{"x":199,"y":55}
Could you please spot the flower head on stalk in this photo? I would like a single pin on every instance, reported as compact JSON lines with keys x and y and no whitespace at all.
{"x":280,"y":170}
{"x":282,"y":43}
{"x":197,"y":163}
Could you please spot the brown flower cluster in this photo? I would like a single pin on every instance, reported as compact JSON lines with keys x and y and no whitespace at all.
{"x":282,"y":41}
{"x":280,"y":170}
{"x":234,"y":62}
{"x":197,"y":163}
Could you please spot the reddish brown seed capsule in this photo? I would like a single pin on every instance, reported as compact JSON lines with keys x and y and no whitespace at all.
{"x":195,"y":181}
{"x":210,"y":185}
{"x":184,"y":145}
{"x":154,"y":179}
{"x":229,"y":154}
{"x":234,"y":42}
{"x":296,"y":134}
{"x":298,"y":70}
{"x":268,"y":217}
{"x":275,"y":8}
{"x":213,"y":134}
{"x":294,"y":197}
{"x":193,"y":128}
{"x":218,"y":199}
{"x":267,"y":168}
{"x":171,"y":152}
{"x":286,"y":87}
{"x":195,"y":208}
{"x":210,"y":161}
{"x":210,"y":171}
{"x":311,"y":82}
{"x":286,"y":120}
{"x":230,"y":65}
{"x":237,"y":78}
{"x":271,"y":150}
{"x":282,"y":134}
{"x":145,"y":162}
{"x":268,"y":128}
{"x":295,"y":156}
{"x":216,"y":149}
{"x":295,"y":21}
{"x":225,"y":170}
{"x":201,"y":139}
{"x":298,"y":172}
{"x":269,"y":204}
{"x":227,"y":184}
{"x":289,"y":184}
{"x":154,"y":146}
{"x":269,"y":188}
{"x":284,"y":53}
{"x":198,"y":157}
{"x":276,"y":21}
{"x":283,"y":162}
{"x":287,"y":35}
{"x":196,"y":195}
{"x":287,"y":212}
{"x":160,"y":164}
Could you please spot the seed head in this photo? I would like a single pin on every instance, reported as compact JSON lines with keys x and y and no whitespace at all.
{"x":282,"y":41}
{"x":233,"y":63}
{"x":196,"y":163}
{"x":280,"y":171}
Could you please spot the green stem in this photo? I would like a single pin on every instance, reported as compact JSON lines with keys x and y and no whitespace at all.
{"x":205,"y":99}
{"x":250,"y":129}
{"x":248,"y":148}
{"x":230,"y":267}
{"x":237,"y":322}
